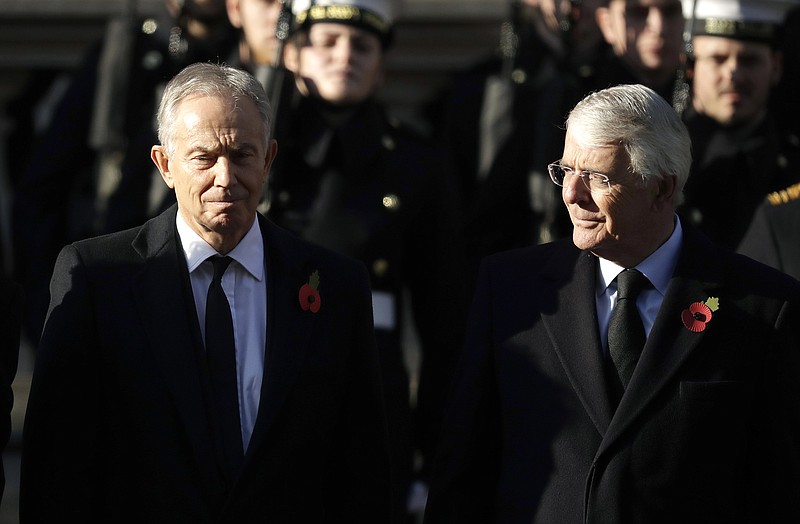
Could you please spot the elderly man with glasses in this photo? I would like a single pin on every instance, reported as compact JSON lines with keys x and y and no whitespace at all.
{"x":636,"y":372}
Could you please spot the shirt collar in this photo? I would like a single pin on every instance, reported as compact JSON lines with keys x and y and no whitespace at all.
{"x":658,"y":267}
{"x":249,"y":252}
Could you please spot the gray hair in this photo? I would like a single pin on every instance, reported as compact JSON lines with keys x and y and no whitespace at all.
{"x":207,"y":79}
{"x":643,"y":123}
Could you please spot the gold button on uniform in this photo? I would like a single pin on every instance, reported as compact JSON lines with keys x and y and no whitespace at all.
{"x":379,"y":267}
{"x":391,"y":202}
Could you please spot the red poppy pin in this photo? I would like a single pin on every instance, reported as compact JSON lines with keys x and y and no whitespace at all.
{"x":699,"y":314}
{"x":309,"y":294}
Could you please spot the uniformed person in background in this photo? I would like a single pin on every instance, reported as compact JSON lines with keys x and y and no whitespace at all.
{"x":645,"y":45}
{"x":740,"y":154}
{"x":349,"y":177}
{"x":263,"y":27}
{"x":92,"y":172}
{"x":500,"y":122}
{"x":774,"y":233}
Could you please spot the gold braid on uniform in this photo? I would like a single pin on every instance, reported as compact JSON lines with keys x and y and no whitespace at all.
{"x":784,"y":195}
{"x":344,"y":14}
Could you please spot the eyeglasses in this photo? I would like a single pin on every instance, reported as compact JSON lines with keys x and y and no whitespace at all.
{"x":594,"y":182}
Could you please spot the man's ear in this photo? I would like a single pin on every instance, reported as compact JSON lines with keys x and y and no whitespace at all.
{"x":159,"y":156}
{"x":602,"y":16}
{"x":272,"y":152}
{"x":291,"y":57}
{"x":234,"y":15}
{"x":667,"y":188}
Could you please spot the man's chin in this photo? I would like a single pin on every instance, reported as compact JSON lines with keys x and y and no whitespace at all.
{"x":229,"y":221}
{"x":584,"y":240}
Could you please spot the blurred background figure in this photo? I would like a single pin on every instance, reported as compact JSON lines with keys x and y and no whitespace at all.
{"x":256,"y":22}
{"x":263,"y":27}
{"x":499,"y":123}
{"x":89,"y":173}
{"x":740,"y":153}
{"x":351,"y":178}
{"x":645,"y":45}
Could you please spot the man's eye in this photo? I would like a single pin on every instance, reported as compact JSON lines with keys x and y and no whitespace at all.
{"x":363,"y":45}
{"x":242,"y":156}
{"x":749,"y":61}
{"x":323,"y":42}
{"x":203,"y":159}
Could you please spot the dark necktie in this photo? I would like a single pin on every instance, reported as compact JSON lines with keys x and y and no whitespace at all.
{"x":221,"y":356}
{"x":626,"y":336}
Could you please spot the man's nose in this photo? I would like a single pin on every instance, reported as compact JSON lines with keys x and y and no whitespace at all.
{"x":223,"y":172}
{"x":655,"y":19}
{"x":574,"y":190}
{"x":343,"y":50}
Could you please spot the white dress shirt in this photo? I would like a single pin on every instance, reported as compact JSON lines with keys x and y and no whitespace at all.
{"x":658,"y":268}
{"x":245,"y":284}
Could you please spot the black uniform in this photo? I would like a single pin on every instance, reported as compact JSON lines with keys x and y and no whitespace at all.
{"x":774,"y":234}
{"x":354,"y":181}
{"x":733,"y":169}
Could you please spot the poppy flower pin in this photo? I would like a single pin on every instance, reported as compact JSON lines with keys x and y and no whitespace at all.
{"x":309,"y":294}
{"x":699,"y":314}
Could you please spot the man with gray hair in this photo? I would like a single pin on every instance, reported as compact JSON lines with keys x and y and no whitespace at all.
{"x":637,"y":373}
{"x":207,"y":366}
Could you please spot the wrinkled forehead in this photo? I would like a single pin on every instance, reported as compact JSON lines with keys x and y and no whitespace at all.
{"x":339,"y":29}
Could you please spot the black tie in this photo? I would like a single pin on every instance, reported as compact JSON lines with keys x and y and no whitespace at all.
{"x":221,"y":355}
{"x":626,"y":335}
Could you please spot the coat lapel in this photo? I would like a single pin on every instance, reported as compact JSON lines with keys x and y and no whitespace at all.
{"x":163,"y":295}
{"x":670,"y":343}
{"x":572,"y":327}
{"x":289,"y":328}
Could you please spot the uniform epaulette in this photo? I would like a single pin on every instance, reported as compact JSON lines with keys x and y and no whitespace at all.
{"x":784,"y":195}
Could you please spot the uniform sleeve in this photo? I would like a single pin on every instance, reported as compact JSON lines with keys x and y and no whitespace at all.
{"x":759,"y":240}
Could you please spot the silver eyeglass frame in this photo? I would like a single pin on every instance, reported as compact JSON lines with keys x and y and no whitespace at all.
{"x":559,"y":172}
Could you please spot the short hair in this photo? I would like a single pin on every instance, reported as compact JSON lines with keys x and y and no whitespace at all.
{"x":212,"y":80}
{"x":643,"y":123}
